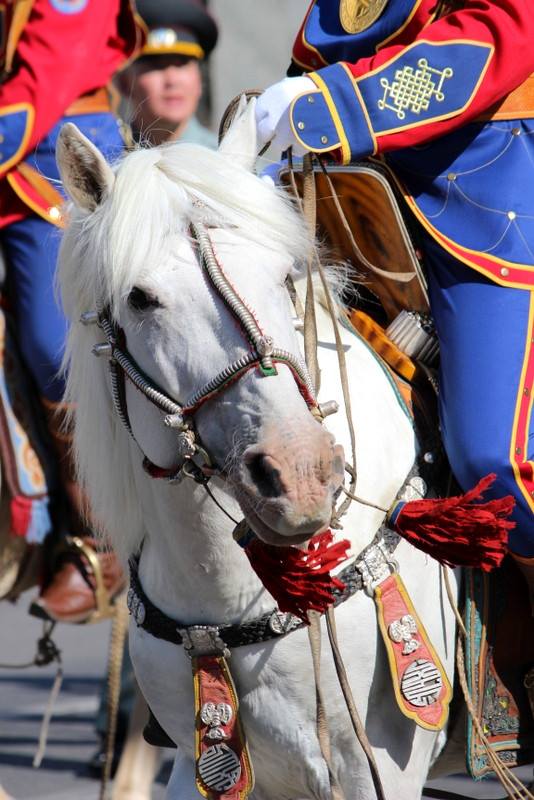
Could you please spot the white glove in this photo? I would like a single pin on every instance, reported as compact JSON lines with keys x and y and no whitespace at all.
{"x":272,"y":113}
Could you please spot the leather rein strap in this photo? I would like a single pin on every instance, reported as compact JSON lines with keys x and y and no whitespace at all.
{"x":314,"y":632}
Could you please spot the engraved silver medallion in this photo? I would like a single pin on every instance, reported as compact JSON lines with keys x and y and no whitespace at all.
{"x":215,"y":715}
{"x":421,"y":683}
{"x":401,"y":630}
{"x":219,"y":767}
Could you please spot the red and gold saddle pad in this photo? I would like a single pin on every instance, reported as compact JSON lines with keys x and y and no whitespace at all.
{"x":499,"y":653}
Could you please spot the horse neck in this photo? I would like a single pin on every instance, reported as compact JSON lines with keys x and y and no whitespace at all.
{"x":191,"y":568}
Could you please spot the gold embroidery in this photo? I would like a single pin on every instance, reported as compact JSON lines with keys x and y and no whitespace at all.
{"x":413,"y":89}
{"x":358,"y":15}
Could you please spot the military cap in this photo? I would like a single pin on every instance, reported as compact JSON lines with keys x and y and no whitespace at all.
{"x":177,"y":26}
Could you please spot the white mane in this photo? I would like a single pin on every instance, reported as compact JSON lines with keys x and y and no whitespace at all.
{"x":104,"y":254}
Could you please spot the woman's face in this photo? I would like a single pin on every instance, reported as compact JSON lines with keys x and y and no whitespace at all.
{"x":165,"y":88}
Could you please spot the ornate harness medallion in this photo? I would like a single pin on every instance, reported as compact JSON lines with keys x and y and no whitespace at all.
{"x":358,"y":15}
{"x":401,"y":630}
{"x":219,"y":767}
{"x":421,"y":683}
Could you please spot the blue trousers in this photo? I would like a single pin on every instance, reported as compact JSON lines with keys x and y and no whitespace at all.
{"x":486,"y":335}
{"x":31,"y":248}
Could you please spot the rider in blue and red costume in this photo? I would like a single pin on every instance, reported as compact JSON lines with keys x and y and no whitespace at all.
{"x":57,"y":56}
{"x":442,"y":94}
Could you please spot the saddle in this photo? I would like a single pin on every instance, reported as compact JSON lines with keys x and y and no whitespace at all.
{"x":361,"y":218}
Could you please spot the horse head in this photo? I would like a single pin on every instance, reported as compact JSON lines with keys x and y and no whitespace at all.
{"x":185,"y":255}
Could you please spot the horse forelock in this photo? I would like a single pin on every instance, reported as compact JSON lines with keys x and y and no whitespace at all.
{"x":157,"y":193}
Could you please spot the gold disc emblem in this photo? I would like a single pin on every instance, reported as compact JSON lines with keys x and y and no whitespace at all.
{"x":358,"y":15}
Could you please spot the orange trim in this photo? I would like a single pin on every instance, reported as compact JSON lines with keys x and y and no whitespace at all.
{"x":6,"y":111}
{"x":524,"y":469}
{"x":97,"y":102}
{"x":40,"y":184}
{"x":518,"y":104}
{"x":375,"y":335}
{"x":43,"y":211}
{"x":181,"y":48}
{"x":21,"y":15}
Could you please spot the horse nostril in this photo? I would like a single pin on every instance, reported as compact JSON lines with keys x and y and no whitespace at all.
{"x":264,"y":475}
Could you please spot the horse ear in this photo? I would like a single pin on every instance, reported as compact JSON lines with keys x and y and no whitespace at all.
{"x":86,"y":175}
{"x":240,"y":142}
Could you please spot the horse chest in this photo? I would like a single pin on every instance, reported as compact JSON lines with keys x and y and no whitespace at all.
{"x":277,"y":706}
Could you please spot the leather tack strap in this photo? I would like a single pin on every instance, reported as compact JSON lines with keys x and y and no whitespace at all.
{"x":223,"y":766}
{"x":420,"y":682}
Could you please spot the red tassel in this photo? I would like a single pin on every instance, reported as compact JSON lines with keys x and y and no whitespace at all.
{"x":458,"y":531}
{"x":298,"y":580}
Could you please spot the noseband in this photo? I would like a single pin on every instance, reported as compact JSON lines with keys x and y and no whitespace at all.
{"x":262,"y":356}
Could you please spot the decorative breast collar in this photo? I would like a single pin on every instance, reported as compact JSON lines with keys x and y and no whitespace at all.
{"x":371,"y":567}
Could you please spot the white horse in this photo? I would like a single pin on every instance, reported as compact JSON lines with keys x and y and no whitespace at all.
{"x":127,"y":249}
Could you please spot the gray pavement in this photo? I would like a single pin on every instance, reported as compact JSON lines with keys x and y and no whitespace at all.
{"x":23,"y":698}
{"x":24,"y":695}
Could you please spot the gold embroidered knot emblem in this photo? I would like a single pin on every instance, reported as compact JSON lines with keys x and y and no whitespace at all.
{"x":413,"y":89}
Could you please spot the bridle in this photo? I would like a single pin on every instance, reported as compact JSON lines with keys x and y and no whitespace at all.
{"x":262,"y":356}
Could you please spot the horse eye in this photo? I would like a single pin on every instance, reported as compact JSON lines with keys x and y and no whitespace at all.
{"x":140,"y":300}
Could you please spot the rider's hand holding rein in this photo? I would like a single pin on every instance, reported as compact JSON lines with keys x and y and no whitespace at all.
{"x":273,"y":117}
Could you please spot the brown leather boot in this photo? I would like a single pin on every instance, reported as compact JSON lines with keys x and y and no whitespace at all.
{"x":85,"y":575}
{"x":84,"y":582}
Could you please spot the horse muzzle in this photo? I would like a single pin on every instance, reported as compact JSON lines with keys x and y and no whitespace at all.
{"x":286,"y":484}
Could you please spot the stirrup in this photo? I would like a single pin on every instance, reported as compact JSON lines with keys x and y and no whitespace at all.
{"x":105,"y":607}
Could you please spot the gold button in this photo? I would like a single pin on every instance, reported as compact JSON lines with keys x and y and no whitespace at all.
{"x":451,"y":176}
{"x":518,"y":451}
{"x":516,"y":131}
{"x":300,"y":126}
{"x":311,"y":99}
{"x":324,"y":139}
{"x":505,"y":271}
{"x":526,"y":392}
{"x":54,"y":213}
{"x":511,"y":215}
